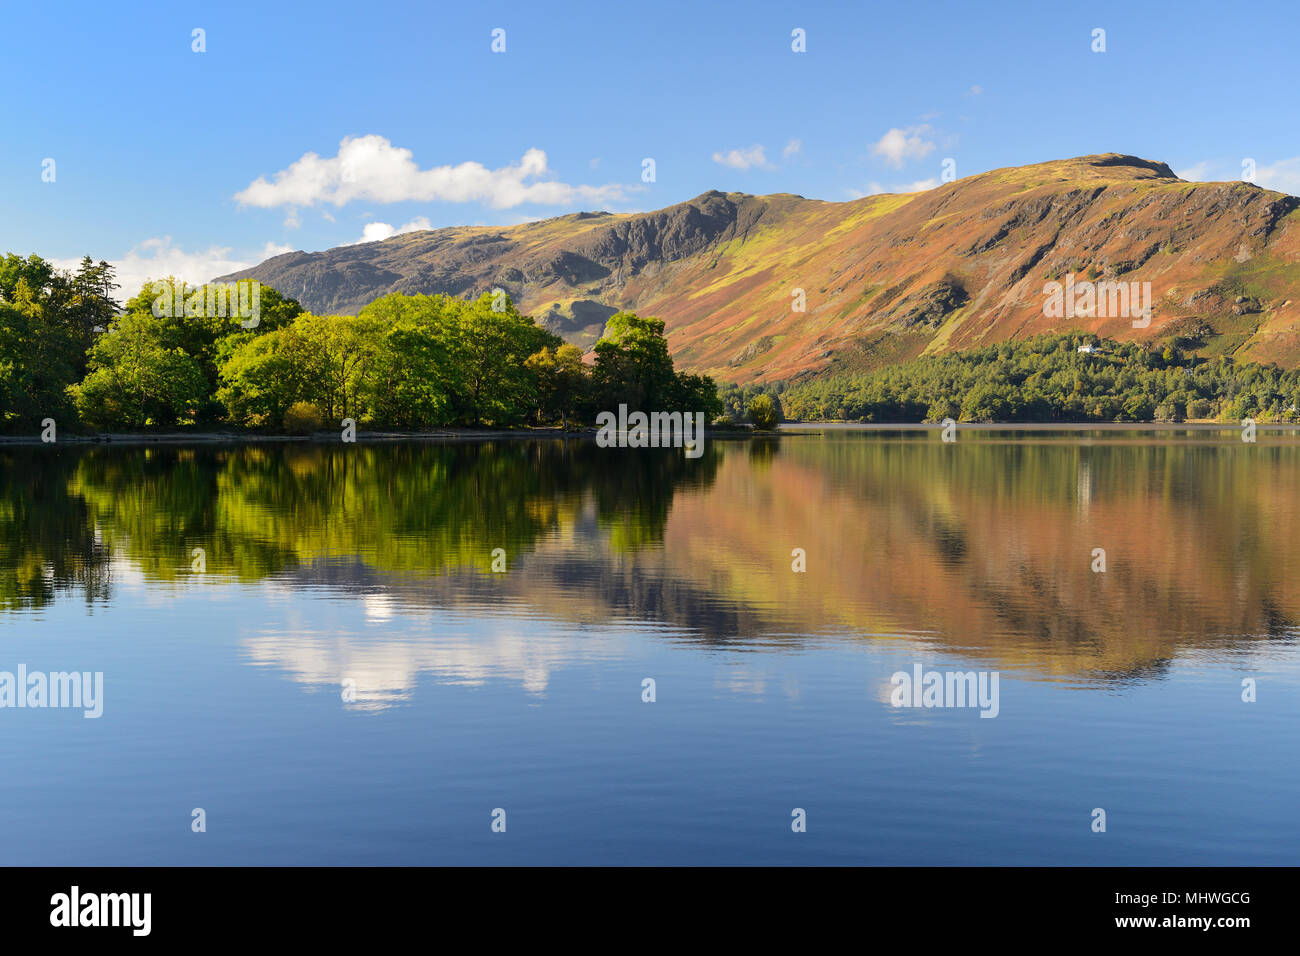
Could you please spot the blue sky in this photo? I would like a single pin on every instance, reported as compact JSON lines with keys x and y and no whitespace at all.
{"x":172,"y":161}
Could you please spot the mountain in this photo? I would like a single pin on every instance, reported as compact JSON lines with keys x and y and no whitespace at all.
{"x":885,"y":278}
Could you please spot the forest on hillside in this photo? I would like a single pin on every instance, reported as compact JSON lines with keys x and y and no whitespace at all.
{"x":1068,"y":377}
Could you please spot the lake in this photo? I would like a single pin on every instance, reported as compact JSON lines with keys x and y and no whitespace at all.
{"x":536,"y":652}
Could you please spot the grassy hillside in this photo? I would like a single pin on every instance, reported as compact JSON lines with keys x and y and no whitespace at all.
{"x":882,"y":279}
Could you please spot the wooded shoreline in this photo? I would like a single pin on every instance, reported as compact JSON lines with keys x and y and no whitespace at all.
{"x":712,"y":432}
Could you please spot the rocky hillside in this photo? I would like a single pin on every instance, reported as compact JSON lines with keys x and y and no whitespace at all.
{"x":883,"y":278}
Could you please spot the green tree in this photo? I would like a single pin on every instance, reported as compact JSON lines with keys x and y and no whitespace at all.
{"x":36,"y":271}
{"x":413,"y":371}
{"x":696,"y":393}
{"x":762,"y":412}
{"x":190,"y":322}
{"x":37,"y":363}
{"x":561,"y":382}
{"x":136,"y":382}
{"x":88,"y":301}
{"x":265,"y":375}
{"x":632,"y":363}
{"x":489,"y":348}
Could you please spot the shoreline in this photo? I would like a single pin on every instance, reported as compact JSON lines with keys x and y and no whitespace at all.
{"x":1040,"y":426}
{"x":363,"y":437}
{"x":791,"y":429}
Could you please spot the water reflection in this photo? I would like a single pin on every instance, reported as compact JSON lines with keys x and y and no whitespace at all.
{"x":984,"y":548}
{"x":372,"y":671}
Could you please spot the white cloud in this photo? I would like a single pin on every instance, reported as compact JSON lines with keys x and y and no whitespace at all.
{"x":792,"y":148}
{"x":875,"y":188}
{"x":375,"y":232}
{"x":1197,"y":173}
{"x":975,"y":90}
{"x":902,"y":144}
{"x":273,"y":249}
{"x":371,"y":167}
{"x":158,"y":258}
{"x":754,"y":157}
{"x":379,"y":231}
{"x":1284,"y":176}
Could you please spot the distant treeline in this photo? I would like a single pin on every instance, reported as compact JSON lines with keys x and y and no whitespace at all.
{"x":68,"y":352}
{"x":1052,"y":378}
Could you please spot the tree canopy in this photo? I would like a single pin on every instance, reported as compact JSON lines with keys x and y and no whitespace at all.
{"x":68,"y":351}
{"x":1073,"y":377}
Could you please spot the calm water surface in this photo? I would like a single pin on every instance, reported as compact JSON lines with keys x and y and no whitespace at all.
{"x":349,"y":682}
